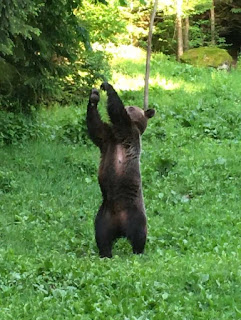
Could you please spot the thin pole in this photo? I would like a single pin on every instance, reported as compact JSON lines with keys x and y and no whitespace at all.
{"x":212,"y":24}
{"x":148,"y":56}
{"x":179,"y":30}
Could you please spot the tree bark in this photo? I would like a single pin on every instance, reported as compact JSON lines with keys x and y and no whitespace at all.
{"x":186,"y":34}
{"x":148,"y":56}
{"x":212,"y":18}
{"x":179,"y":29}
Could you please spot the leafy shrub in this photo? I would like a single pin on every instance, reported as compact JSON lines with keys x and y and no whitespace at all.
{"x":74,"y":132}
{"x":15,"y":128}
{"x":66,"y":125}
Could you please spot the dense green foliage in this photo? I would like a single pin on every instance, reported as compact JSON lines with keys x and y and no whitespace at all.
{"x":52,"y":51}
{"x":190,"y":164}
{"x":41,"y":55}
{"x":104,"y":23}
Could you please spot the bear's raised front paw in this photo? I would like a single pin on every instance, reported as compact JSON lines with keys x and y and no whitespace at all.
{"x":105,"y":86}
{"x":94,"y":96}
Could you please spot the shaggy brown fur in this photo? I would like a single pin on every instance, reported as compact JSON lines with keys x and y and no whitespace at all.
{"x":122,"y":213}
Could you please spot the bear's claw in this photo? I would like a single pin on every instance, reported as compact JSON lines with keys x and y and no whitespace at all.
{"x":104,"y":86}
{"x":94,"y":96}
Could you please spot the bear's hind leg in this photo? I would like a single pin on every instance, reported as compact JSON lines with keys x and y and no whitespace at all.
{"x":104,"y":234}
{"x":104,"y":245}
{"x":138,"y":241}
{"x":136,"y":233}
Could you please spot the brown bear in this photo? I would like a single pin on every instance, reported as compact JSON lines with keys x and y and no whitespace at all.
{"x":122,"y":212}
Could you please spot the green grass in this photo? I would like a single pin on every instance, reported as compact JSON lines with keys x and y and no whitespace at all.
{"x":49,"y":194}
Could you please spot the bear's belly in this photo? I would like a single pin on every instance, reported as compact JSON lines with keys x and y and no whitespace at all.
{"x":119,"y":160}
{"x":119,"y":173}
{"x":113,"y":164}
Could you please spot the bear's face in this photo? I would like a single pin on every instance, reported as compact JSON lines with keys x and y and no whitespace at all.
{"x":140,"y":117}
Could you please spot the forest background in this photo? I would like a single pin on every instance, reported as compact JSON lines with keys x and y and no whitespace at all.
{"x":55,"y":50}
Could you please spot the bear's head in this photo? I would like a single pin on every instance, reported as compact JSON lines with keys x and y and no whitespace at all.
{"x":140,"y":117}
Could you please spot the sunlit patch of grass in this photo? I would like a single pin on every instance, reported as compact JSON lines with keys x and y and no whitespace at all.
{"x":124,"y":82}
{"x":126,"y":52}
{"x":129,"y":68}
{"x":164,"y":83}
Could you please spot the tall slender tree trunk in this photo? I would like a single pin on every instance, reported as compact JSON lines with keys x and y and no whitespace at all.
{"x":186,"y":34}
{"x":179,"y":29}
{"x":148,"y":55}
{"x":212,"y":18}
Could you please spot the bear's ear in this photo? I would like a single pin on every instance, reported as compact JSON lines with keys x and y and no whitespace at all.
{"x":150,"y":113}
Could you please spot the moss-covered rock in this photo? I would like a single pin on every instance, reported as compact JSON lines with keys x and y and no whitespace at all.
{"x":208,"y":57}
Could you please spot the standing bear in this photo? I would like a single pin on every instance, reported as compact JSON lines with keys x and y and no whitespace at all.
{"x":122,"y":212}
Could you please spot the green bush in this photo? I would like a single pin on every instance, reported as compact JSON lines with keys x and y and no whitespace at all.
{"x":16,"y":128}
{"x":68,"y":127}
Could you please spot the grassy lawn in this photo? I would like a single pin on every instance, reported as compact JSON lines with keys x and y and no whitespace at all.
{"x":191,"y":160}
